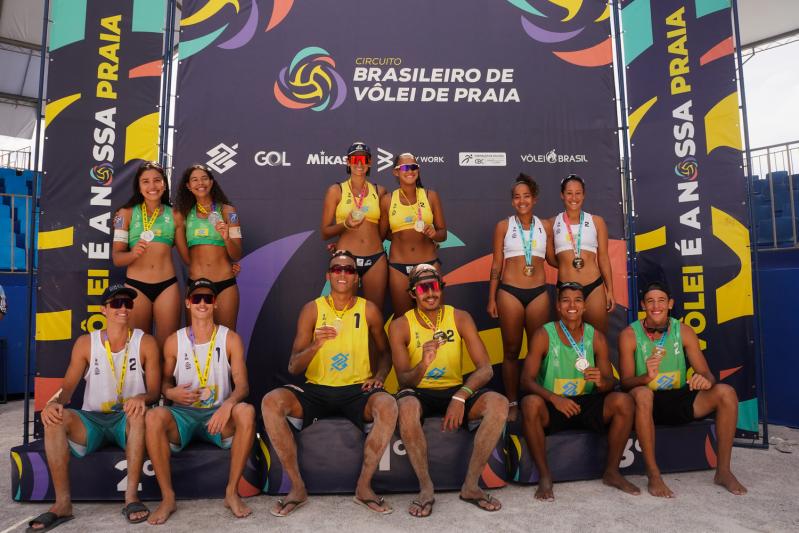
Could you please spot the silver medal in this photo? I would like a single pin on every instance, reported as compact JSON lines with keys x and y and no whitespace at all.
{"x":214,"y":218}
{"x":147,"y":235}
{"x":419,"y":226}
{"x":581,"y":364}
{"x":357,"y":215}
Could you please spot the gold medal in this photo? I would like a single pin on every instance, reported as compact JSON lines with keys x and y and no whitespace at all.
{"x":528,"y":270}
{"x":658,"y":351}
{"x":205,"y":393}
{"x":337,"y":324}
{"x":440,"y":337}
{"x":357,"y":215}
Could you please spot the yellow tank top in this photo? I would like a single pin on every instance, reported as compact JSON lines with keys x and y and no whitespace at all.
{"x":370,"y":205}
{"x":345,"y":359}
{"x":402,"y":217}
{"x":445,"y":371}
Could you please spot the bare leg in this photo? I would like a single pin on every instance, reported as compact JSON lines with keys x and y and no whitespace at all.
{"x":161,"y":430}
{"x":382,"y":408}
{"x":511,"y":324}
{"x":241,"y":427}
{"x":400,"y":299}
{"x":536,"y":418}
{"x":596,"y":312}
{"x":619,"y":410}
{"x":134,"y":453}
{"x":275,"y":407}
{"x":374,"y":282}
{"x":492,"y":409}
{"x":166,"y":313}
{"x":645,"y":431}
{"x":410,"y":426}
{"x":141,"y":316}
{"x":227,"y":307}
{"x":722,"y":399}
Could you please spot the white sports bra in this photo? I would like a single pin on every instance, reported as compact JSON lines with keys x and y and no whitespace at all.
{"x":590,"y":241}
{"x":513,"y":246}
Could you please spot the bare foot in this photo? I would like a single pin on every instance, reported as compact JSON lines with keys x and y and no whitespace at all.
{"x":657,"y":487}
{"x":162,"y":514}
{"x":544,"y":491}
{"x":513,"y":413}
{"x":291,"y":501}
{"x":615,"y":479}
{"x":729,"y":482}
{"x":237,"y":505}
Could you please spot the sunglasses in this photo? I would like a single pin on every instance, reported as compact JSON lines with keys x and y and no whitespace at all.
{"x":427,"y":286}
{"x":358,"y":159}
{"x":118,"y":303}
{"x":203,"y":297}
{"x":407,"y":168}
{"x":342,"y":269}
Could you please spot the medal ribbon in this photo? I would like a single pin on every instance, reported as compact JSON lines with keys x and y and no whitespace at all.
{"x":429,"y":323}
{"x":418,"y":206}
{"x":662,"y":340}
{"x":202,"y":376}
{"x":526,"y":244}
{"x":121,"y":381}
{"x":579,"y":348}
{"x":147,"y":222}
{"x":578,"y":246}
{"x":201,"y":208}
{"x":333,"y":307}
{"x":358,"y":200}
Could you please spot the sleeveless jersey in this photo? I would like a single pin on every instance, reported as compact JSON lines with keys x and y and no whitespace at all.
{"x":445,"y":371}
{"x":100,"y":394}
{"x":200,"y":231}
{"x":513,"y":246}
{"x":557,"y":373}
{"x":370,"y":205}
{"x":590,"y":241}
{"x":163,"y":228}
{"x":343,"y":360}
{"x":403,"y":217}
{"x":672,"y":369}
{"x":218,"y":377}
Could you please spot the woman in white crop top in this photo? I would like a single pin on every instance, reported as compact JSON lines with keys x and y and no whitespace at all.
{"x":581,"y":252}
{"x":517,"y":288}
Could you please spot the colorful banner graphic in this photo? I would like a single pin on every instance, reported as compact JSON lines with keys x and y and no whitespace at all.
{"x":272,"y":93}
{"x":689,"y":186}
{"x":101,"y":121}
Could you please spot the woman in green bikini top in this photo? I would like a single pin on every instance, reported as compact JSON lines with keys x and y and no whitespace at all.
{"x":208,"y":237}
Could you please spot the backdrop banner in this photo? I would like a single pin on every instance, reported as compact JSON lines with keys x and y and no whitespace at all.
{"x":689,"y":189}
{"x":101,"y":120}
{"x":272,"y":93}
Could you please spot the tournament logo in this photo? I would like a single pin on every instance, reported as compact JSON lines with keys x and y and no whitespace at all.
{"x":102,"y":173}
{"x":311,"y":81}
{"x":687,"y":169}
{"x":222,"y":157}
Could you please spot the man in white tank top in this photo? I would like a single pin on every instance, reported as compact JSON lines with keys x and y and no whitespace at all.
{"x":123,"y":375}
{"x":200,"y":361}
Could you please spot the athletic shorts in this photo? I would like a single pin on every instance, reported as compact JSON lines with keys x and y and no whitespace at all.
{"x":322,"y":401}
{"x":101,"y":429}
{"x":435,"y":402}
{"x":590,"y":415}
{"x":674,"y":407}
{"x":192,"y":425}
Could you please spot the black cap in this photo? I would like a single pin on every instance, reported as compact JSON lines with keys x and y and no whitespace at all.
{"x":201,"y":283}
{"x":656,"y":285}
{"x":358,"y":146}
{"x":115,"y":290}
{"x":423,"y":271}
{"x":570,"y":285}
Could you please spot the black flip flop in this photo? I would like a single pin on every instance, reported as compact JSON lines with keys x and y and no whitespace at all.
{"x":422,"y":506}
{"x":487,"y":498}
{"x":135,"y":507}
{"x":48,"y":520}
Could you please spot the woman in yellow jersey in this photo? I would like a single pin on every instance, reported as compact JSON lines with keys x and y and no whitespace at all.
{"x":580,"y":241}
{"x":416,"y":223}
{"x":208,"y":237}
{"x":144,"y":232}
{"x":352,"y":213}
{"x":517,"y":293}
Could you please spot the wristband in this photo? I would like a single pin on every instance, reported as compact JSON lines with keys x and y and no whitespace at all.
{"x":459,"y":399}
{"x":467,"y":389}
{"x":513,"y":404}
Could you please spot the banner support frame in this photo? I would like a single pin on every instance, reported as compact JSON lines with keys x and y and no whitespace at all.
{"x":166,"y":81}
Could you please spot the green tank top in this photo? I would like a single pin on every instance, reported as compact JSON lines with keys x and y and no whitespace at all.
{"x":200,"y":231}
{"x":163,"y":228}
{"x":671,"y":372}
{"x":558,"y":373}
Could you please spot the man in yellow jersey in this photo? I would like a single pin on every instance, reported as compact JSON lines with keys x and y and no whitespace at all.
{"x":568,"y":372}
{"x":122,"y":371}
{"x":332,"y":349}
{"x":654,"y":354}
{"x":205,"y":378}
{"x":427,"y":348}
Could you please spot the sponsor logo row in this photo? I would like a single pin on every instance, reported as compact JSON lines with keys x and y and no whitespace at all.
{"x":223,"y":157}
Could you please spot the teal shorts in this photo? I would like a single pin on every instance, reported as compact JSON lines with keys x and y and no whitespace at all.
{"x":101,"y":429}
{"x":192,"y":424}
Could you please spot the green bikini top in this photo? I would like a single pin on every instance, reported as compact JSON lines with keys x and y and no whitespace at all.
{"x":163,"y":228}
{"x":200,"y":231}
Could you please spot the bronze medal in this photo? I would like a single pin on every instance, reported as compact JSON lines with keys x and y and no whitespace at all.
{"x":578,"y":263}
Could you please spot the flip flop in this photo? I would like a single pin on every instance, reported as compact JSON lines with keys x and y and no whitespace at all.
{"x":135,"y":507}
{"x":487,"y":498}
{"x":48,"y":520}
{"x":422,"y":506}
{"x":379,"y":502}
{"x":283,"y":504}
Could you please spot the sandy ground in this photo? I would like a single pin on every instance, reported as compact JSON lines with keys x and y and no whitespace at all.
{"x":771,"y":505}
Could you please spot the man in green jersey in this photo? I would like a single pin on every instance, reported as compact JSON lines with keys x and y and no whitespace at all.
{"x":654,"y":354}
{"x":568,"y":372}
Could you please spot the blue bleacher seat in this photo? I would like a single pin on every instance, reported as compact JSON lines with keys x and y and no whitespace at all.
{"x":759,"y":186}
{"x":784,"y":226}
{"x":765,"y":239}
